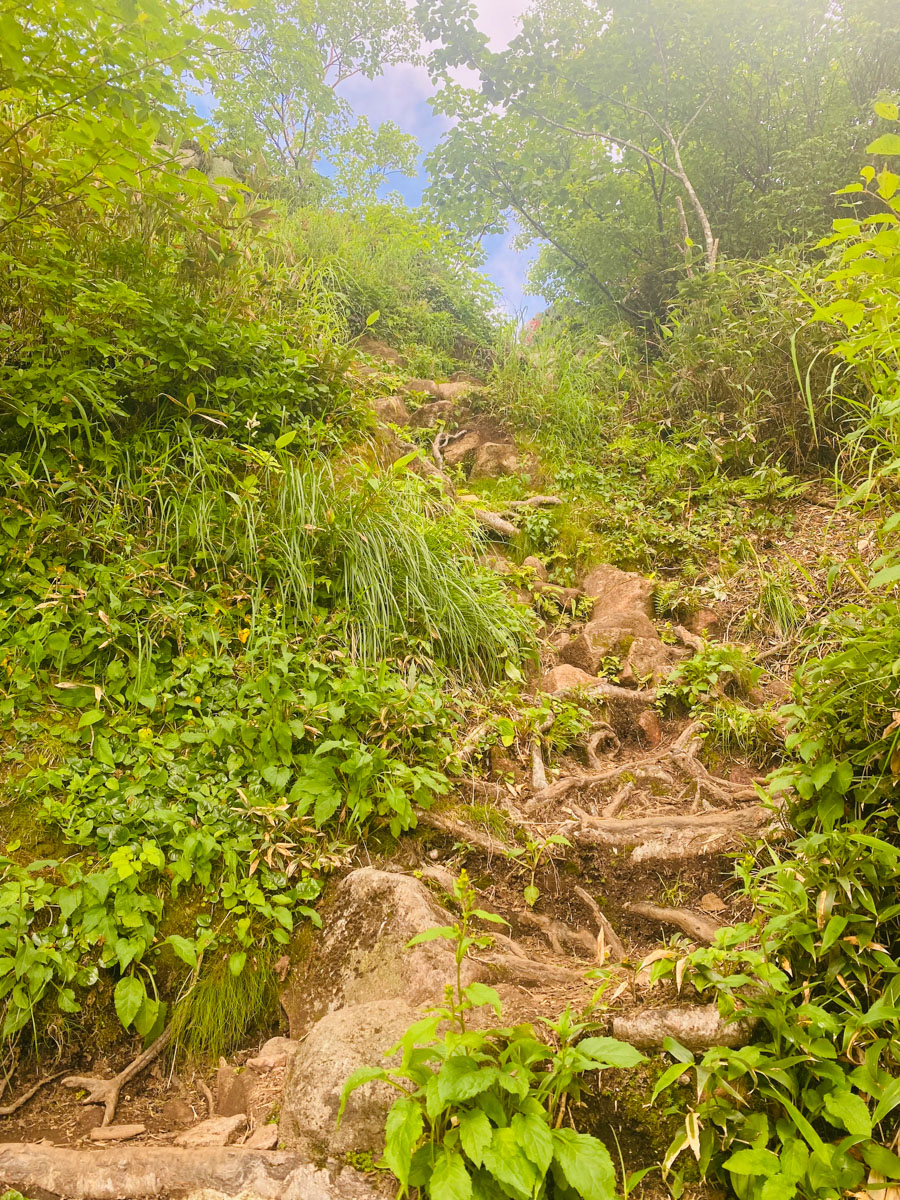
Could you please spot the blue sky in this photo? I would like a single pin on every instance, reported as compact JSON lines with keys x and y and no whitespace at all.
{"x":401,"y":95}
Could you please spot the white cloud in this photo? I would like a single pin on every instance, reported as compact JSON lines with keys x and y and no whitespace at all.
{"x":498,"y":19}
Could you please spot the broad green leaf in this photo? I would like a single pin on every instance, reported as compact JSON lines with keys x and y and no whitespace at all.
{"x":888,"y":1102}
{"x":509,"y":1165}
{"x":91,"y":717}
{"x":533,"y":1135}
{"x":461,"y":1078}
{"x":285,"y":439}
{"x":360,"y":1076}
{"x":611,"y":1052}
{"x":886,"y":109}
{"x":849,"y":1111}
{"x":888,"y":143}
{"x":447,"y":932}
{"x":184,"y":948}
{"x":237,"y":962}
{"x":757,"y":1161}
{"x":885,"y":1161}
{"x":668,"y":1077}
{"x":480,"y":994}
{"x":886,"y":575}
{"x":128,"y":997}
{"x":475,"y":1134}
{"x":405,"y":1125}
{"x":586,"y":1164}
{"x":778,"y":1187}
{"x":450,"y":1180}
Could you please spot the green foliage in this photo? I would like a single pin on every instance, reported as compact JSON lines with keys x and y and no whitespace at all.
{"x":733,"y":729}
{"x":629,"y":141}
{"x":718,"y":670}
{"x":226,"y":634}
{"x":280,"y":95}
{"x":225,"y":1005}
{"x":480,"y":1109}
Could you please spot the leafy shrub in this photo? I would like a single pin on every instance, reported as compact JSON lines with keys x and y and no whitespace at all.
{"x":718,"y":670}
{"x":480,"y":1110}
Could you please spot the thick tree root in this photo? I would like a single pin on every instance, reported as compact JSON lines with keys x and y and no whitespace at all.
{"x":106,"y":1091}
{"x":465,"y":833}
{"x":675,"y":837}
{"x":561,"y":936}
{"x":7,"y":1110}
{"x":535,"y":502}
{"x":609,"y":943}
{"x":701,"y":929}
{"x":695,"y":1026}
{"x":136,"y":1172}
{"x":527,"y":970}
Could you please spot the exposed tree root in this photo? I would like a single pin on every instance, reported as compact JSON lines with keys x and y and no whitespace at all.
{"x":609,"y":943}
{"x":560,"y":935}
{"x":464,"y":833}
{"x":675,"y":837}
{"x":106,"y":1091}
{"x":494,"y":522}
{"x":538,"y":770}
{"x":7,"y":1110}
{"x":535,"y":502}
{"x":517,"y":966}
{"x":691,"y":640}
{"x":695,"y":1026}
{"x":154,"y":1171}
{"x":702,"y":929}
{"x":603,"y":739}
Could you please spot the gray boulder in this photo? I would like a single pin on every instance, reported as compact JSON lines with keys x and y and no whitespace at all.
{"x":333,"y":1049}
{"x":362,"y":955}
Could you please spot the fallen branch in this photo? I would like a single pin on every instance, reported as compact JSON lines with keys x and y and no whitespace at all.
{"x":610,"y":939}
{"x":536,"y":502}
{"x":8,"y":1109}
{"x":696,"y":1026}
{"x":701,"y":929}
{"x":154,"y":1171}
{"x":106,"y":1091}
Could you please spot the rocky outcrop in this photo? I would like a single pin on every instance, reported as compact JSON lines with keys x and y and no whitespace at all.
{"x":493,"y":459}
{"x":606,"y":636}
{"x":391,"y":410}
{"x":362,"y":953}
{"x":354,"y":997}
{"x":333,"y":1049}
{"x":615,"y":591}
{"x":429,"y":416}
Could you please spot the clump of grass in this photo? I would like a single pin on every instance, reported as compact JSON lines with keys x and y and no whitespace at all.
{"x":223,"y":1008}
{"x":778,"y":603}
{"x":735,"y":730}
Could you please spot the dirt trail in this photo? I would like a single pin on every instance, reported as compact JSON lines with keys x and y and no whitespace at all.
{"x":646,"y":872}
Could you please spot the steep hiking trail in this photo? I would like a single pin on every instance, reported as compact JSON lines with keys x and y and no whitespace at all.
{"x":589,"y":818}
